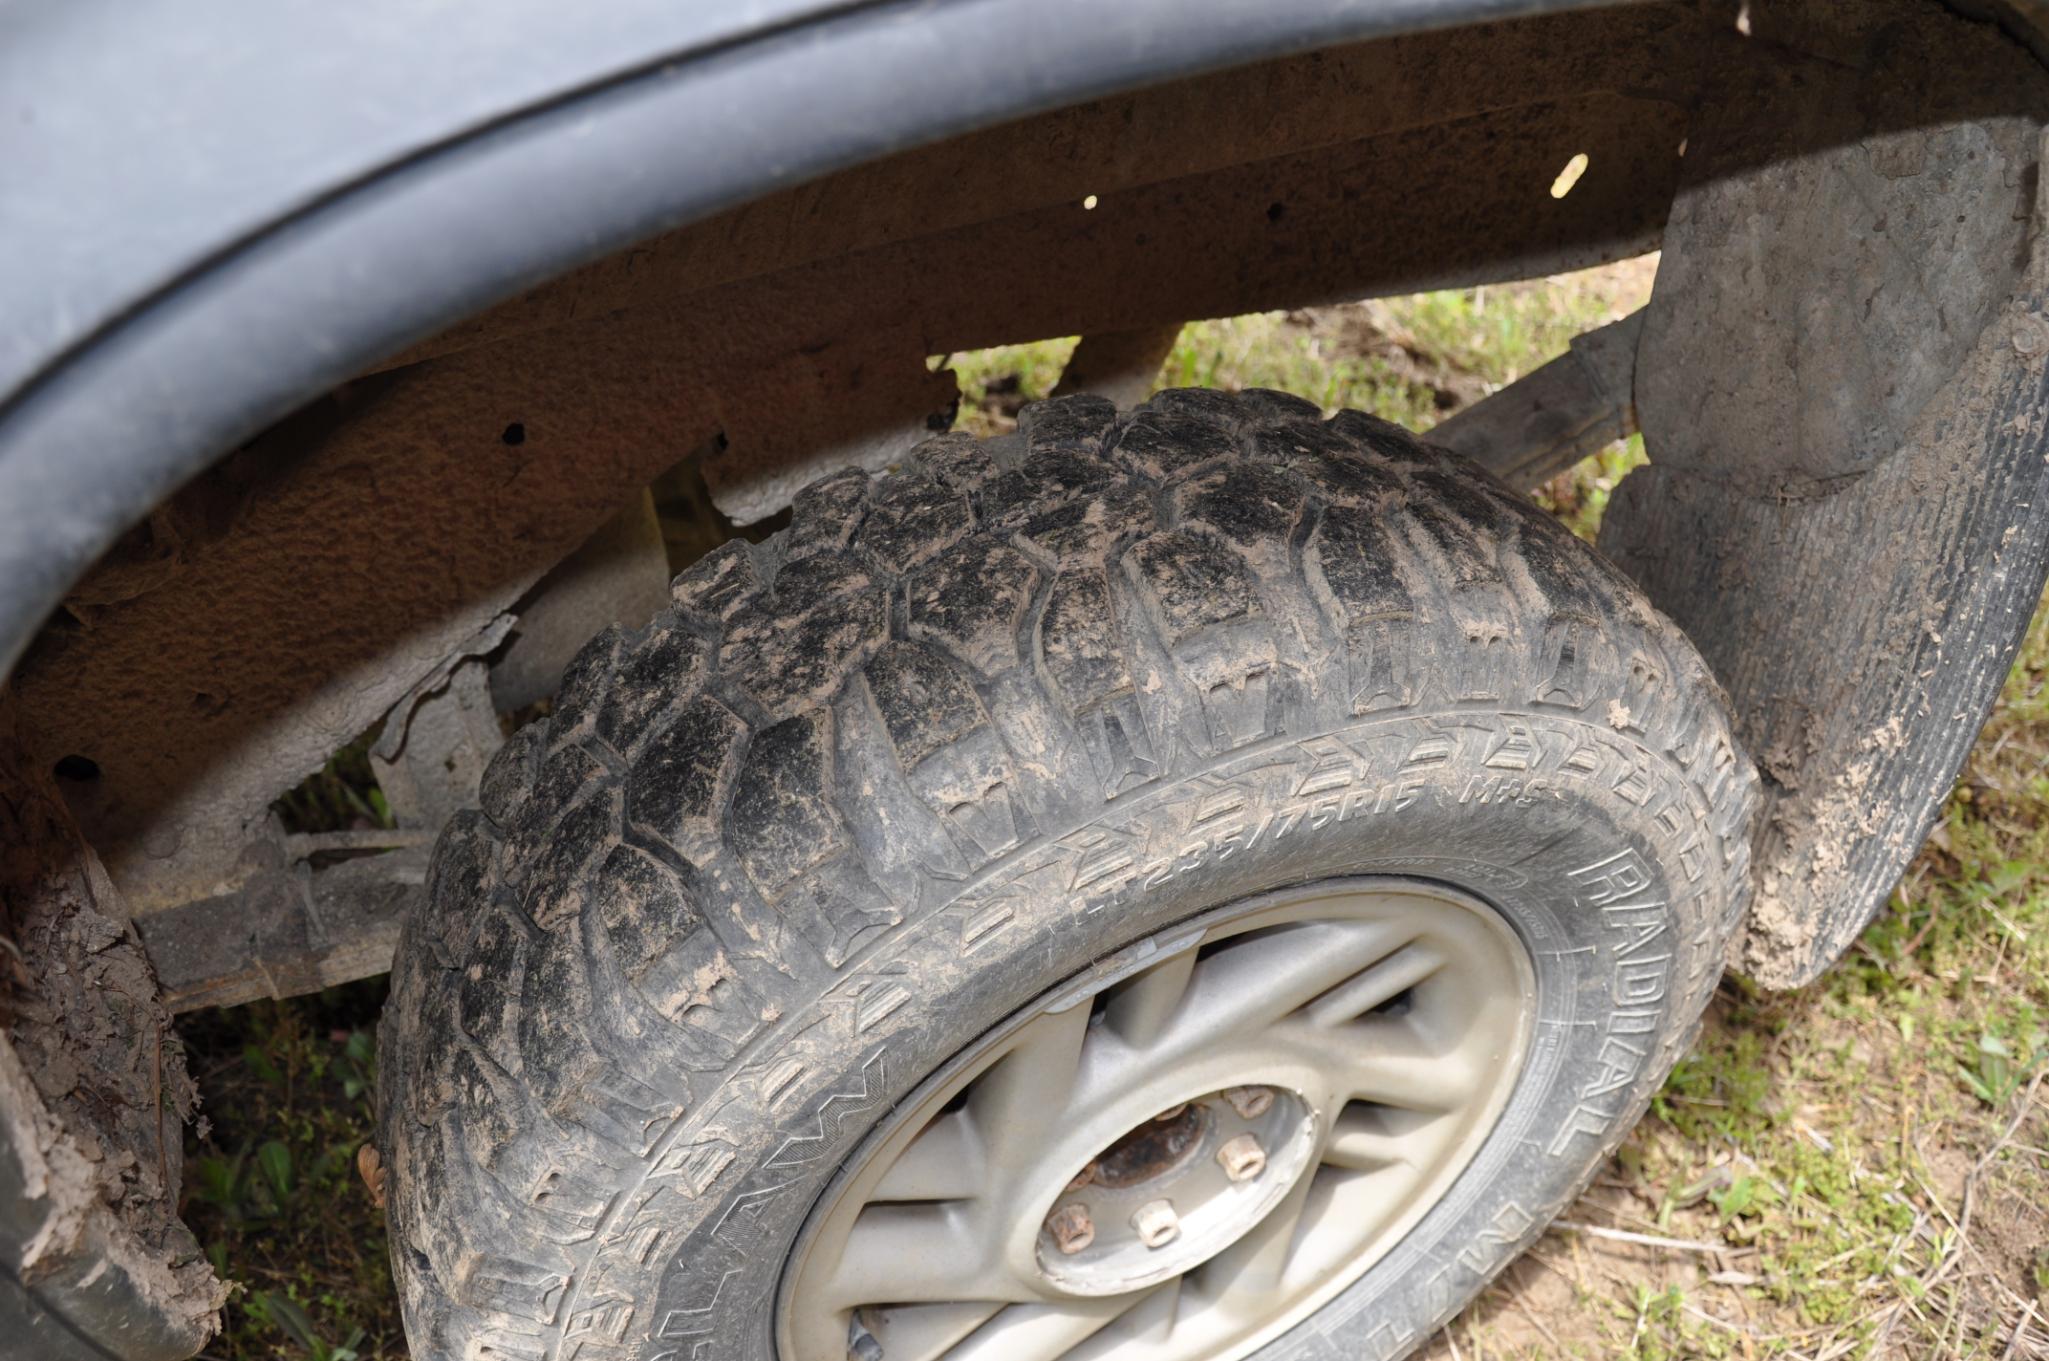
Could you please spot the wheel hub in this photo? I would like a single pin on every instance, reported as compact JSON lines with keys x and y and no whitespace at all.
{"x":1176,"y":1190}
{"x":1191,"y":1160}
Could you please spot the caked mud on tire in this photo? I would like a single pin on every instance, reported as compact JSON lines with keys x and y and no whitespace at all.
{"x":959,"y":733}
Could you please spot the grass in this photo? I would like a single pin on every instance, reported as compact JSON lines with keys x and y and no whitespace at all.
{"x":1857,"y":1169}
{"x":272,"y":1187}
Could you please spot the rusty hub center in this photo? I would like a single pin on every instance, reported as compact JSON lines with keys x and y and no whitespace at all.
{"x":1154,"y":1149}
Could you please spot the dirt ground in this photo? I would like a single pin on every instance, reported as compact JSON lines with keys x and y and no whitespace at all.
{"x":1860,"y":1169}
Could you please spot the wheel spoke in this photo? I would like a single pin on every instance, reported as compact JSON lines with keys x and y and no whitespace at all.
{"x":1042,"y":1332}
{"x":1150,"y":1322}
{"x":1244,"y":1275}
{"x":1384,"y":1060}
{"x":1140,"y":1010}
{"x":1377,"y":985}
{"x":1256,"y":982}
{"x":943,"y":1163}
{"x":1361,"y":1141}
{"x":926,"y":1332}
{"x":921,"y":1254}
{"x":1016,"y":1103}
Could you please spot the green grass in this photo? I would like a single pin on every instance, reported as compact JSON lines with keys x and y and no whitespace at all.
{"x":271,"y":1182}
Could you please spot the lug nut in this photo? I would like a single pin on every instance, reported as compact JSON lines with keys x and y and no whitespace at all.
{"x":1250,"y":1102}
{"x":1157,"y":1224}
{"x":1072,"y":1229}
{"x":1242,"y":1158}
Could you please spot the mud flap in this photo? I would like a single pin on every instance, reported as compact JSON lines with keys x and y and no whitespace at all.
{"x":1842,"y":391}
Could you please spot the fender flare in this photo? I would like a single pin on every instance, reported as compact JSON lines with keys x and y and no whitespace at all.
{"x":245,"y":323}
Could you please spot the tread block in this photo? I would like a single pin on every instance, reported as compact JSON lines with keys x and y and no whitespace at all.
{"x":510,"y":1286}
{"x":664,"y":947}
{"x":487,"y":997}
{"x":1328,"y":461}
{"x":825,"y":514}
{"x":679,"y":781}
{"x":1236,"y":673}
{"x":553,"y":889}
{"x":913,"y":519}
{"x":1265,"y":406}
{"x":565,"y":779}
{"x":660,"y":671}
{"x":1570,"y":586}
{"x":970,"y":785}
{"x":1464,"y":530}
{"x":574,"y":1082}
{"x":1205,"y":602}
{"x":811,"y":581}
{"x":575,"y":1207}
{"x":1119,"y":744}
{"x":925,"y":700}
{"x":1570,"y":646}
{"x":650,"y":933}
{"x":1645,"y":687}
{"x":1354,"y":562}
{"x":802,"y":661}
{"x":584,"y":682}
{"x":1468,"y":560}
{"x":1045,"y":478}
{"x":1191,"y":583}
{"x":956,"y":458}
{"x":1087,"y":527}
{"x":509,"y":777}
{"x":782,"y":822}
{"x":1207,"y":405}
{"x":640,"y":910}
{"x":1383,"y":437}
{"x":1078,"y":421}
{"x":1459,"y":494}
{"x":973,"y":598}
{"x":719,"y":582}
{"x":1383,"y":664}
{"x":838,"y":909}
{"x":1252,"y":506}
{"x":1080,"y":646}
{"x":463,"y":870}
{"x":1163,"y":444}
{"x":950,"y":754}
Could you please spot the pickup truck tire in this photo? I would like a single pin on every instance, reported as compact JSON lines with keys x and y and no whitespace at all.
{"x":1212,"y":719}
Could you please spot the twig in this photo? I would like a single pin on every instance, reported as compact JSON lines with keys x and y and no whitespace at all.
{"x":302,"y":845}
{"x":1516,"y":1294}
{"x":1642,"y":1240}
{"x":1961,"y":1222}
{"x":2020,"y":1326}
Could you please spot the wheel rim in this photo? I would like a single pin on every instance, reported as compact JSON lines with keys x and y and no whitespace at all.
{"x":1183,"y":1163}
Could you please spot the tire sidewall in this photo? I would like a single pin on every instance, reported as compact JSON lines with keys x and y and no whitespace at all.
{"x":1602,"y":853}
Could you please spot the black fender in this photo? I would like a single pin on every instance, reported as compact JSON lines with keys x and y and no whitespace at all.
{"x":316,"y":188}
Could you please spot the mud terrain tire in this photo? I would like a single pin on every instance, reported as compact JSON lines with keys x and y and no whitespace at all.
{"x":959,"y":733}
